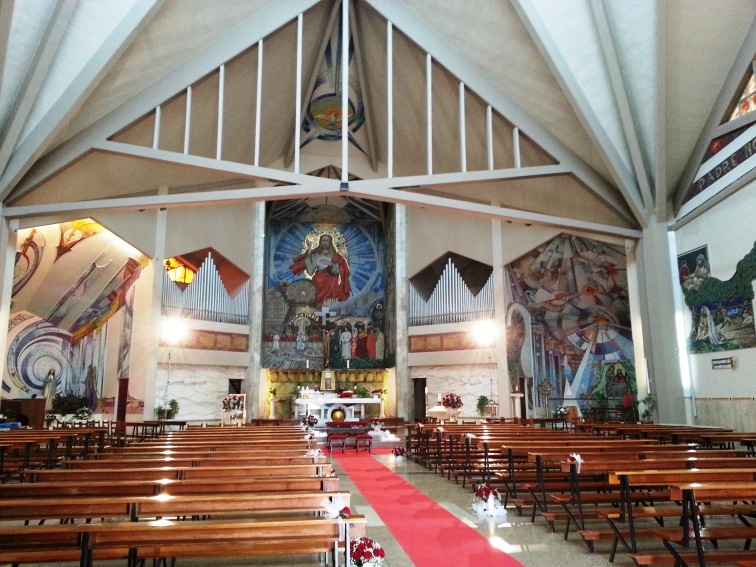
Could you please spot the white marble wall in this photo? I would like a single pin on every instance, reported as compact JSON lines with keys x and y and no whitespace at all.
{"x":198,"y":389}
{"x":738,"y":414}
{"x":467,"y":381}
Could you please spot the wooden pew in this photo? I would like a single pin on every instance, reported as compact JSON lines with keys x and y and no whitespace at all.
{"x":246,"y":460}
{"x":692,"y":495}
{"x":176,"y":473}
{"x":76,"y":489}
{"x":135,"y":541}
{"x":135,"y":508}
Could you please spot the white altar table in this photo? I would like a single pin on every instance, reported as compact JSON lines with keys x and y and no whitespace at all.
{"x":322,"y":407}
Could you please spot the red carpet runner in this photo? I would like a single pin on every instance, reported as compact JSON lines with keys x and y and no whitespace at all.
{"x":430,"y":535}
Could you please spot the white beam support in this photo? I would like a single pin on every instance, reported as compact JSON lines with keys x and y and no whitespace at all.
{"x":429,"y":110}
{"x":516,"y":146}
{"x":221,"y":100}
{"x":390,"y":98}
{"x":188,"y":120}
{"x":461,"y":67}
{"x":258,"y":101}
{"x":239,"y":38}
{"x":489,"y":137}
{"x":573,"y":91}
{"x":35,"y":74}
{"x":345,"y":94}
{"x":36,"y":143}
{"x":377,"y":191}
{"x":298,"y":95}
{"x":620,"y":91}
{"x":462,"y":132}
{"x":156,"y":128}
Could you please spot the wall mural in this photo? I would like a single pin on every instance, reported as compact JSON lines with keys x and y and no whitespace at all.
{"x":324,"y":298}
{"x":60,"y":328}
{"x":575,"y":291}
{"x":722,"y":310}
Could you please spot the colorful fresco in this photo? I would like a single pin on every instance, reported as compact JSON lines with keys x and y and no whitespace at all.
{"x":324,"y":297}
{"x":722,"y":310}
{"x":323,"y":118}
{"x":575,"y":291}
{"x":60,"y":327}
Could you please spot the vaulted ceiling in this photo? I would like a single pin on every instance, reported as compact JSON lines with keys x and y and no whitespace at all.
{"x":579,"y":114}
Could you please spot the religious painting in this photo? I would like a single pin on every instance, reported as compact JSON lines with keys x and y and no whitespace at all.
{"x":693,"y":267}
{"x":324,"y":295}
{"x":722,"y":310}
{"x":575,"y":290}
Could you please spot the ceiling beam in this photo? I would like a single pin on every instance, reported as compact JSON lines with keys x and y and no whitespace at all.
{"x":660,"y":114}
{"x":377,"y":190}
{"x":205,"y":198}
{"x":573,"y":91}
{"x":239,"y":38}
{"x":75,"y":95}
{"x":621,"y":97}
{"x":35,"y":76}
{"x":6,"y":19}
{"x":711,"y":129}
{"x":467,"y":72}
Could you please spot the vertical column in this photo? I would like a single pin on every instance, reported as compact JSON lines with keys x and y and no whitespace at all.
{"x":8,"y":232}
{"x":503,"y":387}
{"x":256,"y":386}
{"x":403,"y":386}
{"x":658,"y":315}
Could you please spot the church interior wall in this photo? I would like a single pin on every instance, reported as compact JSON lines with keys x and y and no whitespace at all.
{"x":724,"y":397}
{"x":431,"y":234}
{"x":467,"y":381}
{"x":138,"y":228}
{"x":226,"y":228}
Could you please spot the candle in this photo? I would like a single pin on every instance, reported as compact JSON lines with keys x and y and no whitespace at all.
{"x":347,"y":364}
{"x":307,"y":363}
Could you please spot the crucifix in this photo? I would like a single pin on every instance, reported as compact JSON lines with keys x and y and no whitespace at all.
{"x":325,"y":313}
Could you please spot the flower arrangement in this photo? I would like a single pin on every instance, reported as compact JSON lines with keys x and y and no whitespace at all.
{"x":233,"y":403}
{"x":400,"y":452}
{"x":82,"y":413}
{"x":345,"y":512}
{"x":452,"y":401}
{"x":49,"y":418}
{"x":364,"y":551}
{"x":376,"y":422}
{"x":487,"y":501}
{"x":310,"y":420}
{"x":561,"y":411}
{"x":378,"y":392}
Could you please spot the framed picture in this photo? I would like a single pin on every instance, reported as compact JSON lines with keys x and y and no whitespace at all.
{"x":693,"y":267}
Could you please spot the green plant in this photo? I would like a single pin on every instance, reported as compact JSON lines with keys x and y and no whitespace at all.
{"x":482,"y":405}
{"x":649,"y":405}
{"x":68,"y":404}
{"x":173,"y":408}
{"x":272,"y":392}
{"x":362,"y":392}
{"x":602,"y":406}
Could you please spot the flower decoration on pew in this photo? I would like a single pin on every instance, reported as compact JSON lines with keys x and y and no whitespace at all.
{"x":376,"y":422}
{"x":452,"y":401}
{"x":560,"y":412}
{"x":233,"y":403}
{"x":576,"y":458}
{"x":400,"y":452}
{"x":470,"y":435}
{"x":364,"y":552}
{"x":487,"y":502}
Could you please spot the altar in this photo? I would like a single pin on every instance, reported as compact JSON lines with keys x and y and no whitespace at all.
{"x":322,"y":408}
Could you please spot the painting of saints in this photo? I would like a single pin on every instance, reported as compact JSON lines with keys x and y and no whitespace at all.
{"x":328,"y":270}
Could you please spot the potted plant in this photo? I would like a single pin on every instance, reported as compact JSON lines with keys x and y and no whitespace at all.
{"x":173,"y":409}
{"x":362,"y":392}
{"x":482,"y":405}
{"x":649,"y":405}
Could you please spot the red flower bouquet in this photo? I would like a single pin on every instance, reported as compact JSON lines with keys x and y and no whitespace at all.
{"x":364,"y":551}
{"x":452,"y":401}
